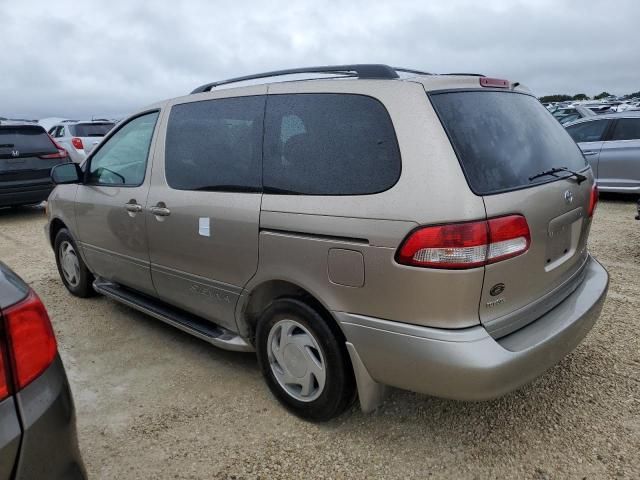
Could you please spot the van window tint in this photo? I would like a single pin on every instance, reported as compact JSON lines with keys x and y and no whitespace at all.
{"x":588,"y":131}
{"x":122,"y":160}
{"x":503,"y":138}
{"x":329,"y":144}
{"x":215,"y":145}
{"x":627,"y":129}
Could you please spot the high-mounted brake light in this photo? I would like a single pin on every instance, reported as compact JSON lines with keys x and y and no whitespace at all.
{"x":494,"y":82}
{"x":32,"y":343}
{"x":77,"y":142}
{"x":593,"y":200}
{"x":62,"y":153}
{"x":4,"y":380}
{"x":466,"y":245}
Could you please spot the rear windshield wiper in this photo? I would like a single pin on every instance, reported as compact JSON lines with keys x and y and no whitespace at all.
{"x":552,"y":171}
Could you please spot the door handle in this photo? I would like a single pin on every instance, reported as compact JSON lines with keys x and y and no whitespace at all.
{"x":133,"y":207}
{"x":160,"y":210}
{"x":591,"y":152}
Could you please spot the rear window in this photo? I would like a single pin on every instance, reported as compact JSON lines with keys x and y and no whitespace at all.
{"x":24,"y":141}
{"x":91,"y":129}
{"x":329,"y":144}
{"x":503,"y":138}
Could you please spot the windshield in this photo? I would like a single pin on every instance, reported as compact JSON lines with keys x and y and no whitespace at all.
{"x":24,"y":141}
{"x":503,"y":138}
{"x":92,"y":129}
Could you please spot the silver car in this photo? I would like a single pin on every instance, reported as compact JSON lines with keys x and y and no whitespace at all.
{"x":611,"y":144}
{"x":78,"y":138}
{"x":379,"y":227}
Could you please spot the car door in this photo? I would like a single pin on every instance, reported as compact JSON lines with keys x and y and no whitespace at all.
{"x":110,"y":205}
{"x":204,"y":202}
{"x":619,"y":163}
{"x":589,"y":136}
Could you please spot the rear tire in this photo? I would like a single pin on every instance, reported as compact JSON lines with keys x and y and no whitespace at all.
{"x":74,"y":273}
{"x":304,"y":363}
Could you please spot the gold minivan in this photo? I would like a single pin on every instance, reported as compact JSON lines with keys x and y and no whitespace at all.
{"x":360,"y":227}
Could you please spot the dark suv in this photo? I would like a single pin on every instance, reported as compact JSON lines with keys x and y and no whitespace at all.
{"x":27,"y":154}
{"x":37,"y":418}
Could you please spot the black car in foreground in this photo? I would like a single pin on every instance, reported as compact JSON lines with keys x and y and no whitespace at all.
{"x":37,"y":416}
{"x":27,"y":155}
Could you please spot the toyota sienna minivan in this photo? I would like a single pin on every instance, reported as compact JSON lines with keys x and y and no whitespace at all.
{"x":363,"y":227}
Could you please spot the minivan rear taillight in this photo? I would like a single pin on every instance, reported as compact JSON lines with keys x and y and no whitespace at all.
{"x":466,"y":245}
{"x":31,"y":341}
{"x":593,"y":200}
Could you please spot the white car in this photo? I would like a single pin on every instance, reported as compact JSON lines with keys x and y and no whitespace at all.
{"x":79,"y":137}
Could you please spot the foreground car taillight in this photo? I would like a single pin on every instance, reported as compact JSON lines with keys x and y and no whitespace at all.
{"x":31,"y":341}
{"x":4,"y":379}
{"x":593,"y":200}
{"x":466,"y":245}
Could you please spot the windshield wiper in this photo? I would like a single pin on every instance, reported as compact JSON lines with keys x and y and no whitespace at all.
{"x":552,"y":171}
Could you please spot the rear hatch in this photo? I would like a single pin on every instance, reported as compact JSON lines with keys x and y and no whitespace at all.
{"x":27,"y":154}
{"x":504,"y":140}
{"x":91,"y":133}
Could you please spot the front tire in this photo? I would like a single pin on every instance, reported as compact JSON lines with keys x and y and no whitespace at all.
{"x":303,"y":361}
{"x":74,"y":273}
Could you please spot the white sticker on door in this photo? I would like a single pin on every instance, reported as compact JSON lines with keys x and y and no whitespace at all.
{"x":204,"y":227}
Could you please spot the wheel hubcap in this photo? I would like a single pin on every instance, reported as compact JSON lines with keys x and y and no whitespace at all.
{"x":296,"y":360}
{"x":69,"y":264}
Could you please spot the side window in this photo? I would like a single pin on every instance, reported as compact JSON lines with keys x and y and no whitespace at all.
{"x":329,"y":144}
{"x":122,"y":160}
{"x":588,"y":131}
{"x":52,"y":131}
{"x":626,"y":129}
{"x":215,"y":145}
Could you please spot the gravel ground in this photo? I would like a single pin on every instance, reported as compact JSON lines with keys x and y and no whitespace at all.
{"x":153,"y":402}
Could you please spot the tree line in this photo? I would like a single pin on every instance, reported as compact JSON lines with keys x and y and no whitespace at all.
{"x":559,"y":97}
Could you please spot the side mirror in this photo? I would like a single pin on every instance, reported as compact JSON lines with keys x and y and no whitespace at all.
{"x":66,"y":173}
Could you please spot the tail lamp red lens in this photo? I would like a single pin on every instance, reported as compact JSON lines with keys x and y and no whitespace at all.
{"x":4,"y":379}
{"x":494,"y":82}
{"x":593,"y":200}
{"x":31,"y":341}
{"x":466,"y":245}
{"x":77,"y":142}
{"x":62,"y":153}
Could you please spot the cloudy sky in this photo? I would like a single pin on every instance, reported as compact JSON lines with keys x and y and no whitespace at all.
{"x":80,"y":58}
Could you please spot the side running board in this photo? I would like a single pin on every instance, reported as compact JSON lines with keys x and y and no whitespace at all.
{"x":192,"y":324}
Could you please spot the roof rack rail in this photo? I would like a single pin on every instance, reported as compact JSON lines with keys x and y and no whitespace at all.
{"x":365,"y":71}
{"x":465,"y":74}
{"x":411,"y":70}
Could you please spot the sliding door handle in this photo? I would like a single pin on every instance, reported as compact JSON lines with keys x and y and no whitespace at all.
{"x":160,"y":210}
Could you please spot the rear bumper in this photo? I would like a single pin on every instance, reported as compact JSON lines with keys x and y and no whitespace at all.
{"x":22,"y":195}
{"x":49,"y":446}
{"x":469,"y":364}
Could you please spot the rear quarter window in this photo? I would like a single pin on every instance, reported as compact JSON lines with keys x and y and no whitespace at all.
{"x":626,"y":129}
{"x":502,"y":138}
{"x":592,"y":131}
{"x":329,"y":144}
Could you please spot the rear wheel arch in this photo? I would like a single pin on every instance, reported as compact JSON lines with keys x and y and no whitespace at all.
{"x":263,"y":294}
